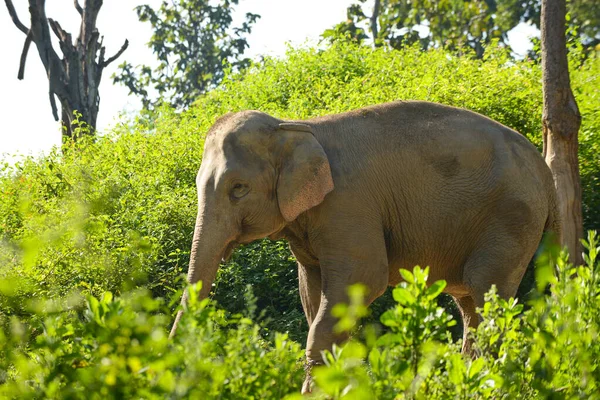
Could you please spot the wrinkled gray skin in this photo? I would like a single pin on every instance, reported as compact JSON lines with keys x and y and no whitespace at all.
{"x":361,"y":194}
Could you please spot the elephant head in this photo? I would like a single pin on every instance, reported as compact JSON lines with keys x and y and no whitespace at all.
{"x":257,"y":175}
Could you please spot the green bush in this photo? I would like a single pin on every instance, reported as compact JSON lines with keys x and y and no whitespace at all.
{"x":118,"y":347}
{"x":549,"y":351}
{"x":116,"y":213}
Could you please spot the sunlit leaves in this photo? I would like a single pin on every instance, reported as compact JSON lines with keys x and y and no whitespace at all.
{"x":461,"y":26}
{"x":194,"y":43}
{"x":117,"y":213}
{"x":350,"y":314}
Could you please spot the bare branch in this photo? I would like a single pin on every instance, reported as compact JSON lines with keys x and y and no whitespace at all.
{"x":28,"y":40}
{"x":78,"y":7}
{"x":41,"y":34}
{"x":15,"y":17}
{"x":60,"y":33}
{"x":74,"y":75}
{"x":88,"y":20}
{"x":113,"y":58}
{"x":53,"y":105}
{"x":101,"y":57}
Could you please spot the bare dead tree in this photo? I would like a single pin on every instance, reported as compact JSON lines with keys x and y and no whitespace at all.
{"x":561,"y":122}
{"x":75,"y":78}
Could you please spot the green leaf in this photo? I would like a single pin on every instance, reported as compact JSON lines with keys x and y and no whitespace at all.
{"x":407,"y":275}
{"x":330,"y":380}
{"x":353,"y":349}
{"x":403,"y":296}
{"x":107,"y":297}
{"x":388,"y":318}
{"x":476,"y":367}
{"x":435,"y":289}
{"x":389,"y":340}
{"x":374,"y":358}
{"x":457,"y":369}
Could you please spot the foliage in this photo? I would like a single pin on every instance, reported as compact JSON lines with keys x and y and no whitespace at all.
{"x":116,"y":213}
{"x":454,"y":24}
{"x":275,"y":287}
{"x":549,"y":351}
{"x":194,"y":43}
{"x":584,"y":80}
{"x":585,"y":18}
{"x":118,"y":347}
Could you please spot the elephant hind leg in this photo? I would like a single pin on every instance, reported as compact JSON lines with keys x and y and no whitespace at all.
{"x":470,"y":318}
{"x":502,"y":266}
{"x":493,"y":267}
{"x":309,"y":285}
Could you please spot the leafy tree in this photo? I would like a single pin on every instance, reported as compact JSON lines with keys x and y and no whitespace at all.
{"x":75,"y":77}
{"x":583,"y":20}
{"x":455,"y":24}
{"x":194,"y":42}
{"x":585,"y":15}
{"x":432,"y":23}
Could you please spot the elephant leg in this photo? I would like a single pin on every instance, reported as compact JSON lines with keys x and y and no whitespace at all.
{"x":309,"y":285}
{"x":470,"y":318}
{"x":495,"y":267}
{"x":499,"y":265}
{"x":309,"y":280}
{"x":345,"y":259}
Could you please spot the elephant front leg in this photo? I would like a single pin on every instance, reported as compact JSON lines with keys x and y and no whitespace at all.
{"x":309,"y":285}
{"x":363,"y":262}
{"x":321,"y":336}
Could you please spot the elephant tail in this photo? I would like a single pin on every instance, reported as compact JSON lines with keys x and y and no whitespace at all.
{"x":553,"y":222}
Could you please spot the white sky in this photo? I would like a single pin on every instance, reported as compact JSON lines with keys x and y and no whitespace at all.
{"x":26,"y":123}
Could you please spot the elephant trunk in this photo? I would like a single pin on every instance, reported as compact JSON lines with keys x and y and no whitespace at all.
{"x":207,"y":250}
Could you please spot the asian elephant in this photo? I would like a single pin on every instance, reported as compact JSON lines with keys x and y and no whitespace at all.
{"x":361,"y":194}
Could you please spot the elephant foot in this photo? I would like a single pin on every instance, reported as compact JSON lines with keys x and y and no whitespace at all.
{"x":307,"y":386}
{"x":469,"y":349}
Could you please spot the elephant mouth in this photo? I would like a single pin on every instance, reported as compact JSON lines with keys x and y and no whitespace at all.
{"x":229,"y":250}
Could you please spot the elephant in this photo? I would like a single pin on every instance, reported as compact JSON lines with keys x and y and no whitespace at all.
{"x":361,"y":194}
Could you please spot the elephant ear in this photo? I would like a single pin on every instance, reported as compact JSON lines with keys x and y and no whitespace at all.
{"x":304,"y":175}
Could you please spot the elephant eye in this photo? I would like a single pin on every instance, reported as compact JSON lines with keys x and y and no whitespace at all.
{"x":239,"y":190}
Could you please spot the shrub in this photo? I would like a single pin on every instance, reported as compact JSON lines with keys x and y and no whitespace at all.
{"x":549,"y":351}
{"x":118,"y":347}
{"x":117,"y":213}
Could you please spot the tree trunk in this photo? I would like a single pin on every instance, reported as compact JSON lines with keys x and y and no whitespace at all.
{"x":75,"y":78}
{"x":561,"y":121}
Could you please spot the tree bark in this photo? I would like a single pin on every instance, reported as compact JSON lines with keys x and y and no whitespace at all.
{"x":74,"y":79}
{"x":561,"y":122}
